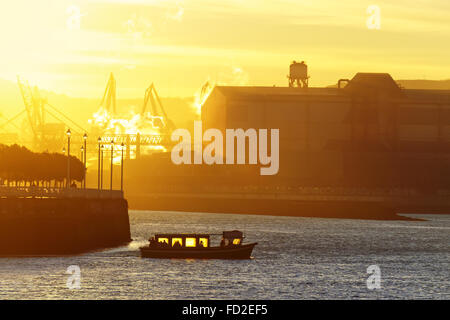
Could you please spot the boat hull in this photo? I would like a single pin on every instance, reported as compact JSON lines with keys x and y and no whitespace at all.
{"x":233,"y":252}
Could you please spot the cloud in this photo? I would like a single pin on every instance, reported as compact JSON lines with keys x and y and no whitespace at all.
{"x":233,"y":76}
{"x":139,"y":27}
{"x":176,"y":12}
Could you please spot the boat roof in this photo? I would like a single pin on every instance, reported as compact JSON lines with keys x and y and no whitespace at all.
{"x":226,"y":234}
{"x":182,"y":235}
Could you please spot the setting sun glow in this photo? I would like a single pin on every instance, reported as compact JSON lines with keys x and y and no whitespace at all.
{"x":70,"y":46}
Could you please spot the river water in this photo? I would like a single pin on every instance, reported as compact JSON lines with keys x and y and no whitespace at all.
{"x":296,"y":258}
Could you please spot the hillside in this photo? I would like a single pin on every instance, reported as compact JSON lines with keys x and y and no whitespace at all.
{"x":425,"y":84}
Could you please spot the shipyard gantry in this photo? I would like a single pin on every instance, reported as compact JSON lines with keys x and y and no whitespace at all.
{"x":42,"y":126}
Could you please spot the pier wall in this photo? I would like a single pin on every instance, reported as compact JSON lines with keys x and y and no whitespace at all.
{"x":60,"y":226}
{"x":308,"y":202}
{"x":267,"y":205}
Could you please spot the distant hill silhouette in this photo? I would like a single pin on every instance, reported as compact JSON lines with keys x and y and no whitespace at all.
{"x":9,"y":98}
{"x":425,"y":84}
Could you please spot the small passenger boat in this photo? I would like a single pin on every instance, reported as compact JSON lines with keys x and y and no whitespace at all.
{"x":195,"y":245}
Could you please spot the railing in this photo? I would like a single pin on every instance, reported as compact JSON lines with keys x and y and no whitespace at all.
{"x":335,"y":191}
{"x":291,"y":190}
{"x":403,"y":196}
{"x":51,"y":192}
{"x":134,"y":139}
{"x":399,"y":195}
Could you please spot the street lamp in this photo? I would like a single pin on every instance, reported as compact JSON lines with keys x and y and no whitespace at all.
{"x":99,"y":140}
{"x":112,"y":158}
{"x":101,"y":167}
{"x":68,"y":158}
{"x":81,"y":153}
{"x":121,"y":168}
{"x":85,"y":152}
{"x":63,"y":152}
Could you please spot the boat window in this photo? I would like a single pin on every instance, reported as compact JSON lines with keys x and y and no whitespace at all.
{"x":237,"y":241}
{"x":191,"y":242}
{"x":203,"y":242}
{"x":166,"y":240}
{"x":177,"y":240}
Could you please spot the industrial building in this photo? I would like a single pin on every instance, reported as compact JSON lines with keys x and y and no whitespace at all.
{"x":365,"y":148}
{"x":366,"y":132}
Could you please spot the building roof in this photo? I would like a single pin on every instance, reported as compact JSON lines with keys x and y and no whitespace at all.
{"x":362,"y":83}
{"x":379,"y":82}
{"x":235,"y":91}
{"x":359,"y":83}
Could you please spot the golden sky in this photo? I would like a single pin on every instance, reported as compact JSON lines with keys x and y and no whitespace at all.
{"x":70,"y":46}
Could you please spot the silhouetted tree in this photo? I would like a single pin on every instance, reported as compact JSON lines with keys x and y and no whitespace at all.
{"x":22,"y":166}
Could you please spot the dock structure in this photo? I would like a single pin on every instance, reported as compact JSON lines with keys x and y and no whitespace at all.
{"x":38,"y":221}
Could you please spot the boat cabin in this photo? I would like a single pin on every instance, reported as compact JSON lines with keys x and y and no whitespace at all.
{"x":197,"y":246}
{"x":234,"y":237}
{"x":195,"y":240}
{"x":183,"y":240}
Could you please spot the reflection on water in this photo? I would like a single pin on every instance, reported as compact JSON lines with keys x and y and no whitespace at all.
{"x":296,"y":258}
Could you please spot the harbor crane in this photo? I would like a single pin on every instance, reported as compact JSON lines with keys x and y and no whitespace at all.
{"x":157,"y":116}
{"x":152,"y":116}
{"x":34,"y":106}
{"x":205,"y":91}
{"x":109,"y":97}
{"x":44,"y":135}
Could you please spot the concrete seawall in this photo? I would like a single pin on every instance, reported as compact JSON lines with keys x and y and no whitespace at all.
{"x":320,"y":208}
{"x":60,"y":226}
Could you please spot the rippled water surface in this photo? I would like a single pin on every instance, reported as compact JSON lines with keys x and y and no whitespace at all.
{"x":296,"y":258}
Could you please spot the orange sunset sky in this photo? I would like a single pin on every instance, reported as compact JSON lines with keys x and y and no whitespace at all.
{"x":70,"y":46}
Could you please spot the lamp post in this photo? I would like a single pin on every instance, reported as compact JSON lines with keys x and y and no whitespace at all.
{"x":81,"y":159}
{"x":98,"y":170}
{"x":64,"y":153}
{"x":121,"y":168}
{"x":85,"y":152}
{"x":101,"y":167}
{"x":68,"y":158}
{"x":112,"y":158}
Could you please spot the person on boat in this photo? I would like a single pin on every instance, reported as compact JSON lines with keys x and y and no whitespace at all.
{"x":222,"y":243}
{"x":177,"y":244}
{"x":200,"y":244}
{"x":162,"y":244}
